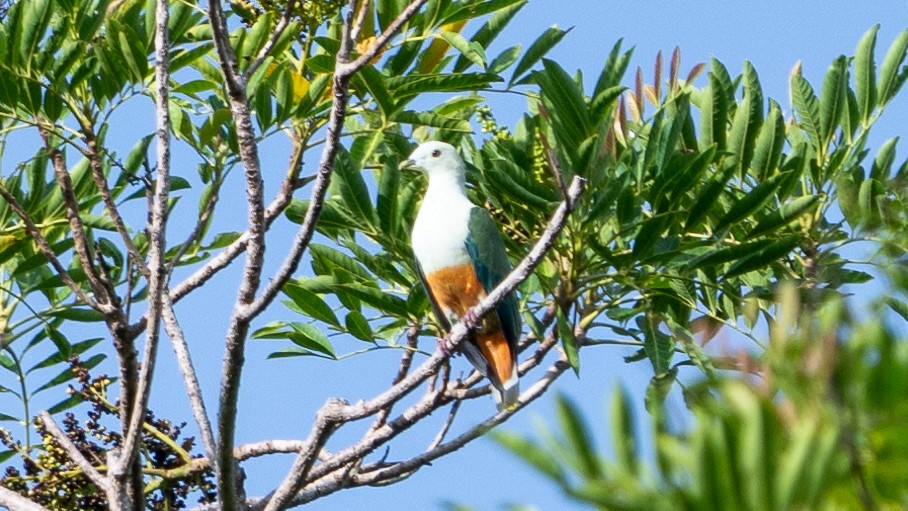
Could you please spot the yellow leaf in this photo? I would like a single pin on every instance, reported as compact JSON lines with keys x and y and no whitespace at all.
{"x":438,"y":48}
{"x":300,"y":86}
{"x":366,"y":43}
{"x":6,"y":240}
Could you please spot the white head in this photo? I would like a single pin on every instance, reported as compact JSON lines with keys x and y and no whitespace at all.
{"x":436,"y":159}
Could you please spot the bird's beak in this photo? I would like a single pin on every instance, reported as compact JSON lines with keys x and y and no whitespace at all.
{"x":408,"y":165}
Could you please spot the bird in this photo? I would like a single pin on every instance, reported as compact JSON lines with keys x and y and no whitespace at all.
{"x":460,"y":258}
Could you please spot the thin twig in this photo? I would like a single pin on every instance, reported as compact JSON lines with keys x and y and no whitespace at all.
{"x":97,"y":174}
{"x":80,"y":239}
{"x":275,"y":35}
{"x":190,"y":379}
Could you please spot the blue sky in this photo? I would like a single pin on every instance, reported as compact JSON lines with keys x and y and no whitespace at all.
{"x":279,"y":397}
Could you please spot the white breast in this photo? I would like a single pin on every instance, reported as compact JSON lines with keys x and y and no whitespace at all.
{"x":440,"y":230}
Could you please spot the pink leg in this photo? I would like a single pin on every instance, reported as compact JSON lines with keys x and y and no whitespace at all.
{"x":470,"y":320}
{"x":443,"y":345}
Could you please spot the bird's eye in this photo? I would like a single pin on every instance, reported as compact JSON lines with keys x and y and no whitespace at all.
{"x":436,"y":153}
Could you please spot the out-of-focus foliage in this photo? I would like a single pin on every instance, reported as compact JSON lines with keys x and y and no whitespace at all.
{"x":819,"y":427}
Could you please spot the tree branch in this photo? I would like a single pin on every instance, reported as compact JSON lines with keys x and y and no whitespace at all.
{"x":15,"y":502}
{"x":73,"y":452}
{"x":129,"y":469}
{"x":275,"y":35}
{"x":383,"y":39}
{"x":190,"y":379}
{"x":97,"y":174}
{"x":100,"y":289}
{"x":238,"y":328}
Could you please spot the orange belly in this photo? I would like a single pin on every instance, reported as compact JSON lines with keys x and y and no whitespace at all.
{"x":456,"y":290}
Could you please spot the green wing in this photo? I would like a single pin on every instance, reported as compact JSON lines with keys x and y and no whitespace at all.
{"x":491,"y":263}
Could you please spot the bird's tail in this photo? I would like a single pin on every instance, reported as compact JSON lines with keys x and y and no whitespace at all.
{"x":507,"y":392}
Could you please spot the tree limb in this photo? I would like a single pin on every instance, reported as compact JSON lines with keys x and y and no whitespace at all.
{"x":15,"y":502}
{"x":129,"y":469}
{"x":190,"y":379}
{"x":73,"y":452}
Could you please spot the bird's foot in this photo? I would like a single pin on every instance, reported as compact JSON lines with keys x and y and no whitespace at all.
{"x":443,"y":345}
{"x":470,"y":320}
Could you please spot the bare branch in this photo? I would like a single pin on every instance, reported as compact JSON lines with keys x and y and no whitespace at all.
{"x":360,"y":20}
{"x":190,"y":379}
{"x":383,"y":39}
{"x":275,"y":35}
{"x":73,"y":452}
{"x":129,"y":469}
{"x":97,"y":174}
{"x":80,"y":240}
{"x":15,"y":502}
{"x":473,"y":433}
{"x":406,"y":360}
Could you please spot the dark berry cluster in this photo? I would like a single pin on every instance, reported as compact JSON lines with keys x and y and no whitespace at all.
{"x":50,"y":478}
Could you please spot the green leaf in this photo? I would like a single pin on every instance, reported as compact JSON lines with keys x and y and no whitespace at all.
{"x":832,"y":102}
{"x":891,"y":78}
{"x":386,"y":203}
{"x":35,"y":18}
{"x":808,"y":108}
{"x":67,"y":374}
{"x":867,"y":202}
{"x":473,"y":52}
{"x":488,"y":32}
{"x":658,"y":346}
{"x":408,"y":86}
{"x":505,"y":59}
{"x":311,"y":338}
{"x":623,"y":432}
{"x":353,"y":189}
{"x":59,"y":340}
{"x":568,"y":341}
{"x":579,"y":439}
{"x":769,"y":145}
{"x":372,"y":80}
{"x":474,"y":9}
{"x":536,"y":51}
{"x":882,"y":164}
{"x":76,"y":349}
{"x":378,"y":299}
{"x":565,"y":103}
{"x":310,"y":304}
{"x":326,"y":259}
{"x":532,"y":454}
{"x":66,"y":404}
{"x":432,"y":119}
{"x":753,"y":200}
{"x":713,"y":114}
{"x":784,"y":215}
{"x":865,"y":74}
{"x":764,"y":257}
{"x":358,"y":326}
